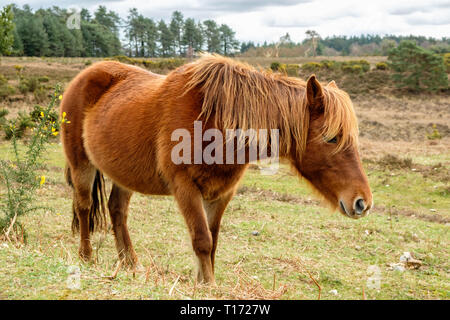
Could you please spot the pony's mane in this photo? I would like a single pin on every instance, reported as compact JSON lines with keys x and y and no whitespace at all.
{"x":242,"y":97}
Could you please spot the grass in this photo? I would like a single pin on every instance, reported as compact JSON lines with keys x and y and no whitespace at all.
{"x":298,"y":240}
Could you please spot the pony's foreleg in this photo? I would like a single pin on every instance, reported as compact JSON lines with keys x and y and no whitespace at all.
{"x":118,"y":203}
{"x":189,"y":200}
{"x":214,"y":212}
{"x":82,"y":201}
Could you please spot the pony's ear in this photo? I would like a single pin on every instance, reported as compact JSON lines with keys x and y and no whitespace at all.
{"x":332,"y":84}
{"x":314,"y":91}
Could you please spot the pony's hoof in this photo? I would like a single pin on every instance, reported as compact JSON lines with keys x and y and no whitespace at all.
{"x":138,"y":268}
{"x":85,"y":255}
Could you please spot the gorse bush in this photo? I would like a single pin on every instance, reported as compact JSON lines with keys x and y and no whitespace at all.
{"x":447,"y":61}
{"x":20,"y":175}
{"x":355,"y":66}
{"x":3,"y":113}
{"x":5,"y":89}
{"x":30,"y":84}
{"x":162,"y":64}
{"x":330,"y":64}
{"x":292,"y":69}
{"x":17,"y":127}
{"x":381,"y":66}
{"x":275,"y":66}
{"x":312,"y":66}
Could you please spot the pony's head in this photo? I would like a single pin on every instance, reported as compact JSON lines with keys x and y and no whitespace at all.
{"x":330,"y":160}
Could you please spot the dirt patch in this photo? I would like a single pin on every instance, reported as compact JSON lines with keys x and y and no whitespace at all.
{"x":265,"y":195}
{"x":437,"y":218}
{"x":390,"y":118}
{"x":389,"y":162}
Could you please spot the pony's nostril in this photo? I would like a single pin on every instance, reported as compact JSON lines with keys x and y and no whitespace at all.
{"x":360,"y":206}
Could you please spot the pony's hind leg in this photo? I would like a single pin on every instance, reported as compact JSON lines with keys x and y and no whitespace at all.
{"x":82,"y":180}
{"x":118,"y":203}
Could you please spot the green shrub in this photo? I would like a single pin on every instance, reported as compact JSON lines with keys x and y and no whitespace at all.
{"x":52,"y":116}
{"x":21,"y":178}
{"x":88,"y":63}
{"x":275,"y":66}
{"x":312,"y":66}
{"x":3,"y":80}
{"x":381,"y":66}
{"x":28,"y":84}
{"x":447,"y":61}
{"x":435,"y":134}
{"x":123,"y":59}
{"x":416,"y":68}
{"x":361,"y":66}
{"x":330,"y":64}
{"x":17,"y":126}
{"x":6,"y":90}
{"x":3,"y":113}
{"x":163,"y":64}
{"x":40,"y":94}
{"x":292,"y":70}
{"x":43,"y":79}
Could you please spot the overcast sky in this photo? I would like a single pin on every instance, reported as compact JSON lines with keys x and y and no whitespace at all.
{"x":264,"y":20}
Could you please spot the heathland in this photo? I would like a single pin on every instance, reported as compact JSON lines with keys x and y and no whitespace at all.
{"x":277,"y":240}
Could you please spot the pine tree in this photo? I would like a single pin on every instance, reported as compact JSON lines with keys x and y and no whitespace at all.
{"x":165,"y":38}
{"x":228,"y":42}
{"x":416,"y":68}
{"x":212,"y":36}
{"x":176,"y":28}
{"x":151,"y":37}
{"x":6,"y":30}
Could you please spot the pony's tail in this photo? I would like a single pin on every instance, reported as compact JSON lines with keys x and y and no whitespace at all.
{"x":97,"y":212}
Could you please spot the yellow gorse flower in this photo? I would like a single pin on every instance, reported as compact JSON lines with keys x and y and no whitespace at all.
{"x":60,"y":97}
{"x":42,"y":180}
{"x":64,"y":120}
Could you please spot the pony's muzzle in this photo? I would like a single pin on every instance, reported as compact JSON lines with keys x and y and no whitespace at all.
{"x":360,"y":208}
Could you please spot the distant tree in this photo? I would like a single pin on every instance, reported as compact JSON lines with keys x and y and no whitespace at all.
{"x":176,"y":28}
{"x":30,"y":28}
{"x":199,"y":37}
{"x":189,"y":33}
{"x":314,"y":39}
{"x":387,"y":45}
{"x":212,"y":36}
{"x":151,"y":37}
{"x":245,"y":46}
{"x":416,"y":68}
{"x":6,"y":30}
{"x":285,"y":40}
{"x":109,"y":19}
{"x":165,"y":38}
{"x":132,"y":31}
{"x":227,"y":39}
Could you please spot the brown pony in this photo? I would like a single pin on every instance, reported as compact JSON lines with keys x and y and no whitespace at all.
{"x":121,"y":122}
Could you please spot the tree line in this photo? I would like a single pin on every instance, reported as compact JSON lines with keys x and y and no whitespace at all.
{"x":45,"y":32}
{"x":362,"y":45}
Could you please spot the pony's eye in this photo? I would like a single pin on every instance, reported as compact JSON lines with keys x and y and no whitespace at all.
{"x":334,"y":140}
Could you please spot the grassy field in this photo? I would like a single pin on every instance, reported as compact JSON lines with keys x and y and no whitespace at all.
{"x":300,"y":248}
